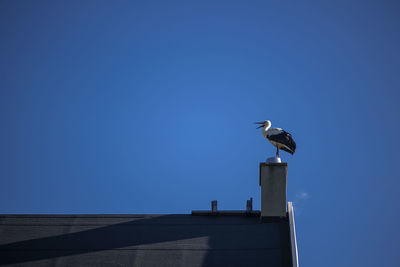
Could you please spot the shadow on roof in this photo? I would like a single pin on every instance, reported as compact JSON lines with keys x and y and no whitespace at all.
{"x":166,"y":240}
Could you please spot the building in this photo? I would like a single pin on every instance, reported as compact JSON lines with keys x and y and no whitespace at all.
{"x":203,"y":238}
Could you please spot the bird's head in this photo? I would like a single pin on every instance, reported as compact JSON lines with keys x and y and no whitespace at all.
{"x":266,"y":123}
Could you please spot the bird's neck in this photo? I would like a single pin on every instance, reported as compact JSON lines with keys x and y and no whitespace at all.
{"x":266,"y":127}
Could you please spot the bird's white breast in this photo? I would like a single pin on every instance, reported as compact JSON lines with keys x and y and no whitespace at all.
{"x":272,"y":131}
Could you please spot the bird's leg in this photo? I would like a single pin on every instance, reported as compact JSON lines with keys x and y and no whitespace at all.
{"x":277,"y":152}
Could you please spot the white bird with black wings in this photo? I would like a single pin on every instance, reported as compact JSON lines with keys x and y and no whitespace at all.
{"x":278,"y":137}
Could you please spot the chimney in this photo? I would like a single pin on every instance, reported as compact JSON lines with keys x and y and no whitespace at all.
{"x":273,"y":177}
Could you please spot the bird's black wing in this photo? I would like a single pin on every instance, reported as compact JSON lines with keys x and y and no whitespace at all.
{"x":286,"y":139}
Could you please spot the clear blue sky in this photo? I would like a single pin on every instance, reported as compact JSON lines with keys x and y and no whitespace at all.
{"x":147,"y":107}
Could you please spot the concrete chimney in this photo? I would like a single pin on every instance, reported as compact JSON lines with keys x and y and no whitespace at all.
{"x":273,"y":180}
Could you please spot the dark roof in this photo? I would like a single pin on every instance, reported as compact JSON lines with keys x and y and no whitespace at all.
{"x":143,"y":240}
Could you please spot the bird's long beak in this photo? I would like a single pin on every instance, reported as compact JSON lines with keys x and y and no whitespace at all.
{"x":262,"y":124}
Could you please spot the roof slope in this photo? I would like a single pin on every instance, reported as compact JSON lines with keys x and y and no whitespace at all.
{"x":142,"y":240}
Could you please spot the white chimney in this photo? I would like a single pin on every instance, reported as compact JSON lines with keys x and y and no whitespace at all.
{"x":273,"y":180}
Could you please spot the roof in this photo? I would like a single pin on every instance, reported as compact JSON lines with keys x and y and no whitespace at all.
{"x":143,"y":240}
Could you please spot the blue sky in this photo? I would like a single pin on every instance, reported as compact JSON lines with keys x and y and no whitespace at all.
{"x":147,"y":107}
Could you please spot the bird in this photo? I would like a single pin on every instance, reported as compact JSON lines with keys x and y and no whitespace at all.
{"x":278,"y":137}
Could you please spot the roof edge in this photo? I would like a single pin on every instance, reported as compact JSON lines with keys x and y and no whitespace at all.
{"x":293,"y":241}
